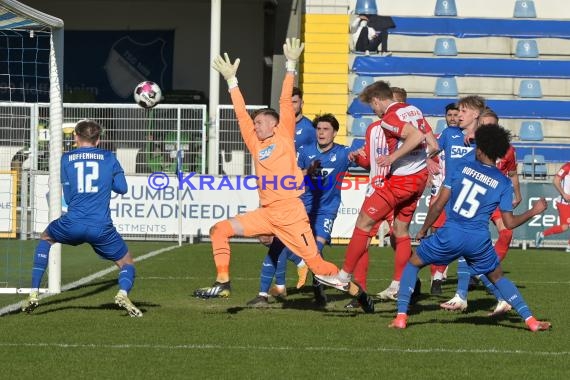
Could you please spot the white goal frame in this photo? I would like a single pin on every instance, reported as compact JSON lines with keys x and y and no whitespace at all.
{"x":22,"y":17}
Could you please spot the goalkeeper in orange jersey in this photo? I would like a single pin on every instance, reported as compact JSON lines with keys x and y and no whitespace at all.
{"x":270,"y":139}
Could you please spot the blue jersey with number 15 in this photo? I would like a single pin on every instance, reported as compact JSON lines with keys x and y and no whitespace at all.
{"x":88,"y":176}
{"x":476,"y":191}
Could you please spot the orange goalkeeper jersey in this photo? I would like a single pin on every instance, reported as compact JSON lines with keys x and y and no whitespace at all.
{"x":278,"y":176}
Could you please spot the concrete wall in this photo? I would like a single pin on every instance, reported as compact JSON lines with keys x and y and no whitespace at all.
{"x":242,"y":34}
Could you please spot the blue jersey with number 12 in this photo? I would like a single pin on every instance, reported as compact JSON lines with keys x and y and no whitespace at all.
{"x":88,"y":176}
{"x":476,"y":191}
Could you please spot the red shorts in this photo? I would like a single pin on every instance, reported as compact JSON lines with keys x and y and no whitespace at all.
{"x":399,"y":194}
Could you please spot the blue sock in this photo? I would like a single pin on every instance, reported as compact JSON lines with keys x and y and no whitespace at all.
{"x":267,"y":273}
{"x":512,"y":295}
{"x":320,"y":247}
{"x":293,"y":257}
{"x":492,"y":288}
{"x":463,"y":275}
{"x":281,"y":269}
{"x":41,"y":256}
{"x":127,"y":277}
{"x":407,"y":285}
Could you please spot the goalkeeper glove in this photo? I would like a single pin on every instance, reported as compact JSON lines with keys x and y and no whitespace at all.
{"x":292,"y":50}
{"x":228,"y":70}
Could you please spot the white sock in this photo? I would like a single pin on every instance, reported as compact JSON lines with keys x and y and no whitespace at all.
{"x":344,"y":276}
{"x":301,"y":264}
{"x":438,"y":275}
{"x":395,"y":284}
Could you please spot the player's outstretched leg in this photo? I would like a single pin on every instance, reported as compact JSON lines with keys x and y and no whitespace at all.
{"x":31,"y":303}
{"x":407,"y":287}
{"x":126,"y":282}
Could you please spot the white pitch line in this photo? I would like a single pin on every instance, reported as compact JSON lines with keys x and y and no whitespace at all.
{"x":86,"y":280}
{"x":198,"y":347}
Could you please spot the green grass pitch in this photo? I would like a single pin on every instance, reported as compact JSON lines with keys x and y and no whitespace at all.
{"x":80,"y":333}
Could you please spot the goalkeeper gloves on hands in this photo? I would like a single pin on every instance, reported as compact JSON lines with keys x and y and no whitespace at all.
{"x":228,"y":70}
{"x":292,"y":50}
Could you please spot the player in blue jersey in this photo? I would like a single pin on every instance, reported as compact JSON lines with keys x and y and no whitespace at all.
{"x":472,"y":192}
{"x":324,"y":165}
{"x":304,"y":128}
{"x":88,"y":176}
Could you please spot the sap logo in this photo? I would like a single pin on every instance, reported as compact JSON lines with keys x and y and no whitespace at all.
{"x":323,"y":172}
{"x":265,"y":153}
{"x":460,"y":151}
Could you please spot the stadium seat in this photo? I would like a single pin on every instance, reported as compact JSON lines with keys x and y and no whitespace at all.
{"x":530,"y":88}
{"x":531,"y":131}
{"x":366,"y":7}
{"x":359,"y":126}
{"x":235,"y":165}
{"x":356,"y":144}
{"x":524,"y":9}
{"x":127,"y":157}
{"x":534,"y":166}
{"x":360,"y":83}
{"x":446,"y":87}
{"x":440,"y":126}
{"x":445,"y":47}
{"x":526,"y":49}
{"x":445,"y":8}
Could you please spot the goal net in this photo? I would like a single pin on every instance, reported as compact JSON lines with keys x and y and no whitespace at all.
{"x":31,"y":73}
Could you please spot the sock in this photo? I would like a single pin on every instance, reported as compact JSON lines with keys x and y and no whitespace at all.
{"x":220,"y":234}
{"x":356,"y":247}
{"x":281,"y":269}
{"x":491,"y":287}
{"x":127,"y":278}
{"x":403,"y":253}
{"x":437,"y":271}
{"x":361,"y":270}
{"x":407,"y":285}
{"x":503,"y":243}
{"x":553,"y":230}
{"x":512,"y":295}
{"x":41,"y":256}
{"x":463,"y":275}
{"x":293,"y":257}
{"x":268,"y":269}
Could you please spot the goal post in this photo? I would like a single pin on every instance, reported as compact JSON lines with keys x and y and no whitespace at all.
{"x":16,"y":16}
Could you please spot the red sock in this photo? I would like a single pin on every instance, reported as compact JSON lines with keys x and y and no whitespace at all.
{"x":403,"y":253}
{"x":361,"y":270}
{"x":356,"y":247}
{"x":503,"y":243}
{"x":554,"y":230}
{"x":437,"y":268}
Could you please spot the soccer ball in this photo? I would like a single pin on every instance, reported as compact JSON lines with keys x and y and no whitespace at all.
{"x":147,"y":94}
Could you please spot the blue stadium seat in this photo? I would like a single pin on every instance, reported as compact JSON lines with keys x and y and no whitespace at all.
{"x":446,"y":87}
{"x":530,"y":88}
{"x":366,"y":7}
{"x":359,"y":126}
{"x":534,"y":166}
{"x":531,"y":131}
{"x":440,"y":126}
{"x":445,"y":46}
{"x":526,"y":49}
{"x":524,"y":9}
{"x":360,"y":83}
{"x":445,"y":8}
{"x":356,"y":144}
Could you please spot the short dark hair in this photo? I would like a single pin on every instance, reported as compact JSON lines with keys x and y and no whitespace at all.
{"x":493,"y":140}
{"x":401,"y":91}
{"x":88,"y":130}
{"x":297,"y":91}
{"x":451,"y":106}
{"x":327,"y":118}
{"x":265,"y":111}
{"x":378,"y":89}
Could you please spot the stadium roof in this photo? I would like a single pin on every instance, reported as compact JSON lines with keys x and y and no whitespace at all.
{"x":15,"y":15}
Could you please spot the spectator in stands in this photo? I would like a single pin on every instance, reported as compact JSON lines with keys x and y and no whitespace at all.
{"x":562,"y":185}
{"x":369,"y":32}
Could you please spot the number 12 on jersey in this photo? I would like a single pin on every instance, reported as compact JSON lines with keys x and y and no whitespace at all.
{"x":87,"y":173}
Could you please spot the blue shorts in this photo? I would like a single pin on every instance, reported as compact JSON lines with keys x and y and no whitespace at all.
{"x":322,"y":225}
{"x":448,"y":244}
{"x":104,"y":239}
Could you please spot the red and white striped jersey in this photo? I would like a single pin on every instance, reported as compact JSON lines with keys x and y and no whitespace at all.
{"x":565,"y":180}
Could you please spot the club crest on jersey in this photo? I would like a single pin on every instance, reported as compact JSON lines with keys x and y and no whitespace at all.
{"x":333,"y":158}
{"x":460,"y":151}
{"x":265,"y":153}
